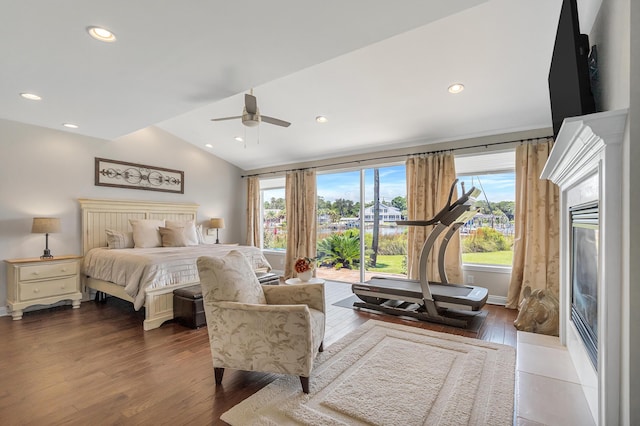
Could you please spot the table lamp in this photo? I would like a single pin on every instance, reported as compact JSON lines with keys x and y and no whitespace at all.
{"x":217,"y":223}
{"x":45,"y":225}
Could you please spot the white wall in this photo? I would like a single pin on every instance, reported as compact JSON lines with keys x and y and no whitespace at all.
{"x":630,"y":363}
{"x":43,"y":172}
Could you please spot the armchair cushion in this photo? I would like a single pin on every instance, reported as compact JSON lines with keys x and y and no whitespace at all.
{"x":233,"y":277}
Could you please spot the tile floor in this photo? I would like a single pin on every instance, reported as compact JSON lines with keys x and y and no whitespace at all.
{"x":548,"y":391}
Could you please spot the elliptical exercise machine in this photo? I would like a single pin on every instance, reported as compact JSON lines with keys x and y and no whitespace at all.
{"x":442,"y":302}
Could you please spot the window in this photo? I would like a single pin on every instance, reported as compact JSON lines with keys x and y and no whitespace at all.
{"x":487,"y":239}
{"x":274,"y":216}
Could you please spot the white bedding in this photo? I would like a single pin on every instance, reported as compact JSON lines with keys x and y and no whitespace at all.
{"x":139,"y":269}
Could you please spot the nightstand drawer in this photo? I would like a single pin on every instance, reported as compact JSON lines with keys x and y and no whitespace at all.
{"x":48,"y":270}
{"x":48,"y":288}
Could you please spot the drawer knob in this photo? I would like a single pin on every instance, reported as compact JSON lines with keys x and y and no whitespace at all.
{"x":62,"y":286}
{"x":36,"y":290}
{"x":64,"y":269}
{"x":36,"y":273}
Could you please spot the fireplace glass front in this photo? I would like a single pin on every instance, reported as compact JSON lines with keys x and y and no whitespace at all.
{"x":584,"y":275}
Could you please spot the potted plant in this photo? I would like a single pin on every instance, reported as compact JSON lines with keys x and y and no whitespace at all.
{"x":304,"y":268}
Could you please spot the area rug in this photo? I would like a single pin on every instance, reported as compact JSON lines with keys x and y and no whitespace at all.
{"x":391,"y":374}
{"x":473,"y":326}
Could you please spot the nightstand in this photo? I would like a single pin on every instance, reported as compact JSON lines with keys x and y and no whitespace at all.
{"x":38,"y":281}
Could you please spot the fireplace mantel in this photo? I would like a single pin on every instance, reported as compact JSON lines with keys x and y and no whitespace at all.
{"x":586,"y":164}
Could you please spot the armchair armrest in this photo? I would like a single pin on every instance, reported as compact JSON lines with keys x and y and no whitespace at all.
{"x":311,"y":295}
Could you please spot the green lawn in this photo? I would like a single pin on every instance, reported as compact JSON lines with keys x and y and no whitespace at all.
{"x":503,"y":258}
{"x":391,"y":264}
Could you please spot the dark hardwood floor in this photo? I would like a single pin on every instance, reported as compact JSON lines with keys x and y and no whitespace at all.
{"x":96,"y":365}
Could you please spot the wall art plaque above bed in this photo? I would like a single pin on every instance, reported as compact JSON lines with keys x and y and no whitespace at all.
{"x":120,"y":174}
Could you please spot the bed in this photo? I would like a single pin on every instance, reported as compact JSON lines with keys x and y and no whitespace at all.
{"x":154,"y":290}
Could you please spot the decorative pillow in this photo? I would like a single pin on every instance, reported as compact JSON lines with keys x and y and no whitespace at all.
{"x":145,"y":232}
{"x":172,"y":237}
{"x":189,"y":227}
{"x":230,"y":278}
{"x":201,"y":239}
{"x":119,"y":240}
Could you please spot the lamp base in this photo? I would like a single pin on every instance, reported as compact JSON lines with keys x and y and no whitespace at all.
{"x":47,"y":252}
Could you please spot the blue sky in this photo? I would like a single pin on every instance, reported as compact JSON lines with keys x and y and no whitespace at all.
{"x":498,"y":187}
{"x":331,"y":186}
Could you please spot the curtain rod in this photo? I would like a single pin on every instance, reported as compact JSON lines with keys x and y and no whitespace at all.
{"x":388,"y":157}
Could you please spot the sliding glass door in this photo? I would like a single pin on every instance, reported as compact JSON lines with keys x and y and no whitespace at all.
{"x":338,"y":248}
{"x":357,"y":234}
{"x":385,"y":243}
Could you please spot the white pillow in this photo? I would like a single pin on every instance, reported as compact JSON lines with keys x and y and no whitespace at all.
{"x":190,"y":232}
{"x":146,"y":232}
{"x":201,"y":239}
{"x":119,"y":240}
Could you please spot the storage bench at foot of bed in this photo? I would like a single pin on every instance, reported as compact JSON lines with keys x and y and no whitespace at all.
{"x":188,"y":308}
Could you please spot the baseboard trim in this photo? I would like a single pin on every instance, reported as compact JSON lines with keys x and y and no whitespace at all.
{"x":497,"y":300}
{"x":3,"y":311}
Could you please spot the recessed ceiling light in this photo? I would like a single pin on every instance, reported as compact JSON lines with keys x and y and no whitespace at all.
{"x":209,"y":145}
{"x":456,"y":88}
{"x":101,"y":34}
{"x":31,"y":96}
{"x":239,"y":139}
{"x":321,"y":119}
{"x":70,"y":125}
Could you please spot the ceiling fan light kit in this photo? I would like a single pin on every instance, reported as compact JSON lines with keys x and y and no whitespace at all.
{"x":250,"y":120}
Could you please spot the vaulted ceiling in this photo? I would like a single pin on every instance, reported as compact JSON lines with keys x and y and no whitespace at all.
{"x":378,"y":70}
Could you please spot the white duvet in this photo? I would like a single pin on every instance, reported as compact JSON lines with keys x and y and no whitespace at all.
{"x":139,"y":269}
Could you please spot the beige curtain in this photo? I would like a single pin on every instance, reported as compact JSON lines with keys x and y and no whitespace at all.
{"x":536,"y":247}
{"x":253,"y":211}
{"x":300,"y":196}
{"x":429,"y":179}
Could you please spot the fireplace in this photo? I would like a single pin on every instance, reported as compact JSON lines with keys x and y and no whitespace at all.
{"x":585,"y":163}
{"x":584,"y":275}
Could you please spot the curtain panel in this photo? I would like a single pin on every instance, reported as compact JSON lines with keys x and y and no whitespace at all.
{"x":536,"y":247}
{"x":301,"y":201}
{"x":253,"y":211}
{"x":429,"y":179}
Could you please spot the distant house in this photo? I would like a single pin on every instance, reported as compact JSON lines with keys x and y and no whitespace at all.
{"x":272,"y":217}
{"x":387,"y":213}
{"x":324,"y":218}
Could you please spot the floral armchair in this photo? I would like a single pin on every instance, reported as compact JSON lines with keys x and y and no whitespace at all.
{"x":272,"y":329}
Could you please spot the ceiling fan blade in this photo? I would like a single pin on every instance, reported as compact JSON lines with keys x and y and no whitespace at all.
{"x":226,"y":118}
{"x":275,"y":121}
{"x":250,"y":103}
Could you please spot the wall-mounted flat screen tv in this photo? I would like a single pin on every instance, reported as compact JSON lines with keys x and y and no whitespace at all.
{"x":569,"y":83}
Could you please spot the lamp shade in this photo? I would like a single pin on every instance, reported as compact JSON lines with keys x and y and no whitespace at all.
{"x":217,"y":223}
{"x":45,"y":225}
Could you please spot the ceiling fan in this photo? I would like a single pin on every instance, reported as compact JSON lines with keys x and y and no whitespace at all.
{"x":251,"y":116}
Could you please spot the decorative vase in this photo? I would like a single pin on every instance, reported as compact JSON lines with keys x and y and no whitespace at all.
{"x":306,"y":275}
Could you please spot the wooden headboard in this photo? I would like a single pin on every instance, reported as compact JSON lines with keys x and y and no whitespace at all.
{"x":99,"y":215}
